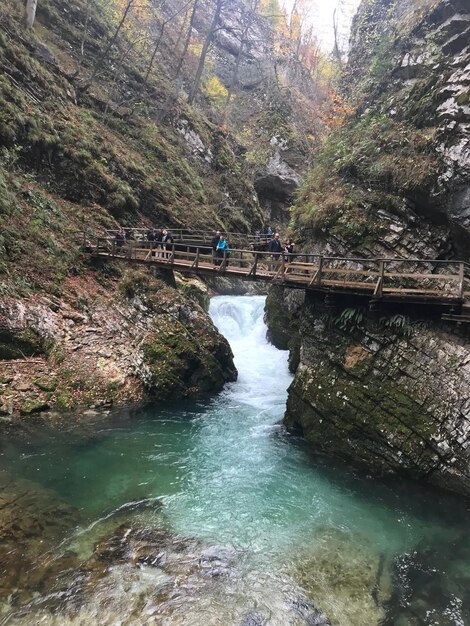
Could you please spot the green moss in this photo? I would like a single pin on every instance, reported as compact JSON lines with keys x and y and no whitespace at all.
{"x":370,"y":164}
{"x":30,"y":406}
{"x":464,"y":98}
{"x":46,"y":384}
{"x":64,"y":401}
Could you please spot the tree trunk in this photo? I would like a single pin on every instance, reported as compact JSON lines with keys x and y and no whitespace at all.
{"x":30,"y":12}
{"x":205,"y":50}
{"x":111,"y":43}
{"x":243,"y":42}
{"x":187,"y":40}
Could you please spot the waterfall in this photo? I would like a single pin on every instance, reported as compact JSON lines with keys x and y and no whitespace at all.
{"x":263,"y":370}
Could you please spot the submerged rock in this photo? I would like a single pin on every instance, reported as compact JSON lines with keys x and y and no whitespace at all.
{"x":252,"y":619}
{"x":32,"y":521}
{"x":340,"y":574}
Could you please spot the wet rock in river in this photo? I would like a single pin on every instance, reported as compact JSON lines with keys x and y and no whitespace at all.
{"x":307,"y":611}
{"x":32,"y":520}
{"x":252,"y":619}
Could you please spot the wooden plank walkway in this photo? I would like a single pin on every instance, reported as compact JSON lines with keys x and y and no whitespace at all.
{"x":408,"y":281}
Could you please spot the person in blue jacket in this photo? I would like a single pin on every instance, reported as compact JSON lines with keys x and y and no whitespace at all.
{"x":222,"y":248}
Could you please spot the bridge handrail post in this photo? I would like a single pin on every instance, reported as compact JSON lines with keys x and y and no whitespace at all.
{"x":224,"y":263}
{"x":255,"y":265}
{"x":114,"y":248}
{"x":197,"y":257}
{"x":319,"y":271}
{"x":461,"y":283}
{"x":172,"y":257}
{"x":380,"y":282}
{"x":283,"y":265}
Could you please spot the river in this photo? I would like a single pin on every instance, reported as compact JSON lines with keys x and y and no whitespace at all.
{"x":271,"y":534}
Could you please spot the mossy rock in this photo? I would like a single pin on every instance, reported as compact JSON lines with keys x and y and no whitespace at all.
{"x":194,"y":289}
{"x":183,"y":361}
{"x":31,"y":406}
{"x":17,"y":345}
{"x":46,"y":384}
{"x":278,"y":319}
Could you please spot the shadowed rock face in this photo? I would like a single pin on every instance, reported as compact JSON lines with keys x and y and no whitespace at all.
{"x":276,"y":184}
{"x":389,"y":399}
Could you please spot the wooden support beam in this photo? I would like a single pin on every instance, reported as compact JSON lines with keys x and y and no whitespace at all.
{"x":379,"y":286}
{"x":461,"y":282}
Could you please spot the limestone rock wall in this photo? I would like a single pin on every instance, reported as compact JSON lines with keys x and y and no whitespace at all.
{"x":390,"y":394}
{"x":90,"y":348}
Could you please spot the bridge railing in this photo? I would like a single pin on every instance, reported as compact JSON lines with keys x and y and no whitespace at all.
{"x":435,"y":278}
{"x":186,"y":235}
{"x":378,"y":277}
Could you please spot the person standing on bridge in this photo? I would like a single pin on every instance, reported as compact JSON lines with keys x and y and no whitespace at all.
{"x":276,"y":248}
{"x":269,"y":231}
{"x":120,"y":238}
{"x":158,"y":242}
{"x":222,"y":251}
{"x":214,"y":244}
{"x":150,"y":236}
{"x":167,"y":242}
{"x":288,"y":250}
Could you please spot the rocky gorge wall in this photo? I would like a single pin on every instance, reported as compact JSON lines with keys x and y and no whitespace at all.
{"x":389,"y":390}
{"x":388,"y":393}
{"x":148,"y":340}
{"x":126,"y":149}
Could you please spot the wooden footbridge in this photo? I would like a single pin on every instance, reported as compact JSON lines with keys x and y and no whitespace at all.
{"x":443,"y":285}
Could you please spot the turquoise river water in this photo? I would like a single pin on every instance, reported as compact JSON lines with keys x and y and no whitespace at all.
{"x":297,"y":540}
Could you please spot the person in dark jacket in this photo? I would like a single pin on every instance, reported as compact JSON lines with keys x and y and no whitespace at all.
{"x":158,"y":242}
{"x":120,"y":238}
{"x":150,"y":236}
{"x":167,"y":242}
{"x":275,"y":247}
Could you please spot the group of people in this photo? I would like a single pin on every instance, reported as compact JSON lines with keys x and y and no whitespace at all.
{"x":221,"y":250}
{"x":278,"y":247}
{"x":161,"y":240}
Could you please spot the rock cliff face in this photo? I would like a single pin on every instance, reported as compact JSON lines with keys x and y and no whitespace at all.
{"x":393,"y":181}
{"x":390,"y":390}
{"x":122,"y":146}
{"x":391,"y":394}
{"x":88,"y":348}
